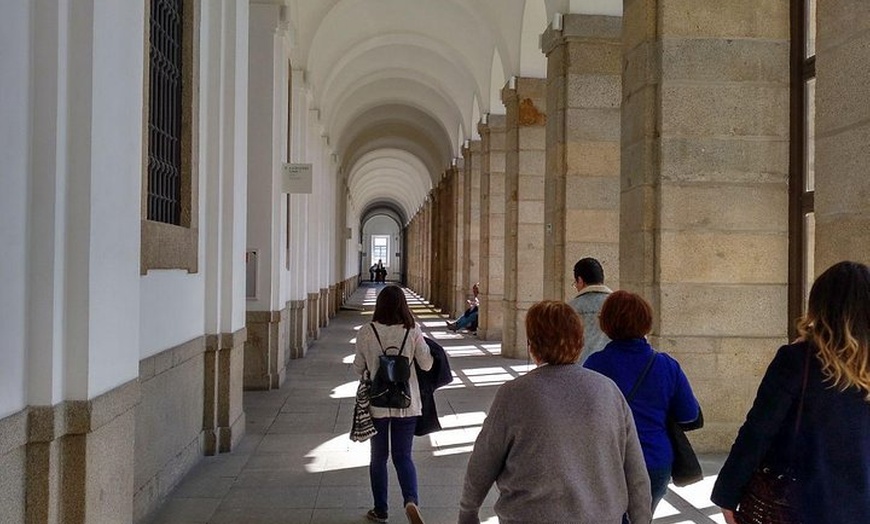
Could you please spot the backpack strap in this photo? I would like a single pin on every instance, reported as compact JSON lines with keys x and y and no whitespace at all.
{"x":384,"y":351}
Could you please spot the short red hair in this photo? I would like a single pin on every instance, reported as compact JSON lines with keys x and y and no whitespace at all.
{"x":625,"y":315}
{"x":555,"y":332}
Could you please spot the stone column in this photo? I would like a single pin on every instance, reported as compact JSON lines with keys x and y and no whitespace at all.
{"x":471,"y":216}
{"x":584,"y":92}
{"x":842,"y":184}
{"x":458,"y":233}
{"x":313,"y":307}
{"x":525,"y":145}
{"x":296,"y":331}
{"x":703,"y":216}
{"x":492,"y":167}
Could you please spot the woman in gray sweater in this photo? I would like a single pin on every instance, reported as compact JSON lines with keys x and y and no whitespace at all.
{"x":559,"y":442}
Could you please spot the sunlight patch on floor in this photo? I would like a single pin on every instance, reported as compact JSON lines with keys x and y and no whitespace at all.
{"x":346,"y":390}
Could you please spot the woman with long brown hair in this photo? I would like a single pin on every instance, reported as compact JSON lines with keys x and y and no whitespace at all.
{"x":810,"y":422}
{"x":393,"y":331}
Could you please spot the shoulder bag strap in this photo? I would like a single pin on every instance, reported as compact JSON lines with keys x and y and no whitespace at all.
{"x":800,"y":409}
{"x":642,"y":376}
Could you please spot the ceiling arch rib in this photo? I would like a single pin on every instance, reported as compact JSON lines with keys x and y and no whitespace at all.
{"x":434,"y":95}
{"x":395,"y":159}
{"x":401,"y":92}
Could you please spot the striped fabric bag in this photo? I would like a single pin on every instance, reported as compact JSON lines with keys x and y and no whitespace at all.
{"x":363,"y":428}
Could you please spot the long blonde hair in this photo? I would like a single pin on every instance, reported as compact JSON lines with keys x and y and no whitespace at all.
{"x":837,"y":324}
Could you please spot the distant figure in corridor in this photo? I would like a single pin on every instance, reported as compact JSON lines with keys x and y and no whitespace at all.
{"x":560,"y":441}
{"x":591,"y":294}
{"x":811,"y":417}
{"x":468,"y":320}
{"x":380,"y":271}
{"x":653,"y":382}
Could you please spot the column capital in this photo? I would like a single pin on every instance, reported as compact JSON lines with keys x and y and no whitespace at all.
{"x":581,"y":27}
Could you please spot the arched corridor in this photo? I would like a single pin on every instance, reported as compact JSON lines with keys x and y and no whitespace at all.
{"x":192,"y":192}
{"x":297,"y":465}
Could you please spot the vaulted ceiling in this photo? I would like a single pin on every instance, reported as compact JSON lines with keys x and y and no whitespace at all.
{"x":401,"y":84}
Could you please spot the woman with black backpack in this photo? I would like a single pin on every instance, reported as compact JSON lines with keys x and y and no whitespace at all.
{"x":393,"y":335}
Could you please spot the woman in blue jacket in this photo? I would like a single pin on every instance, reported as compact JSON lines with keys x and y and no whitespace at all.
{"x":827,"y":449}
{"x":627,"y":318}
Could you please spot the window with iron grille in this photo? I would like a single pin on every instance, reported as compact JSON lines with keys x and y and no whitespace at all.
{"x":165,"y":112}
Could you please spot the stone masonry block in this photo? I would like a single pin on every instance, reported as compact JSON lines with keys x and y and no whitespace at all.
{"x":639,"y":22}
{"x":592,"y":125}
{"x":596,"y":225}
{"x":762,"y":19}
{"x":722,"y":310}
{"x":726,"y":159}
{"x":842,"y":180}
{"x":597,"y":159}
{"x":726,"y":208}
{"x":590,"y":192}
{"x":724,"y":110}
{"x":723,"y":257}
{"x":532,"y":162}
{"x":594,"y":91}
{"x":725,"y":60}
{"x":531,"y":212}
{"x":595,"y":57}
{"x":841,"y":21}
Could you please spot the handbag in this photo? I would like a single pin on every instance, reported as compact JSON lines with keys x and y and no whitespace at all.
{"x":363,"y":428}
{"x":390,"y":386}
{"x":773,"y":497}
{"x":685,"y":468}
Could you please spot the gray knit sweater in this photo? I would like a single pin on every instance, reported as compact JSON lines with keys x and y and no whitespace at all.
{"x":561,"y":446}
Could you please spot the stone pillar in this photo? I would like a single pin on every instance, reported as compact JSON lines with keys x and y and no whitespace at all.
{"x":584,"y":92}
{"x":426,"y":243}
{"x":227,"y":353}
{"x":525,"y":146}
{"x":264,"y":350}
{"x":324,"y":307}
{"x":704,"y":213}
{"x":471,"y":216}
{"x":458,"y":232}
{"x":492,"y":191}
{"x":842,"y":184}
{"x":296,"y":322}
{"x":313,"y":307}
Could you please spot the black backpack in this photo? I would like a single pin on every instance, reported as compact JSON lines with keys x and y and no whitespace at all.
{"x":390,"y":387}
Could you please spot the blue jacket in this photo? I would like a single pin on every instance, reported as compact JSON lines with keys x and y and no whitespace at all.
{"x":665,"y":390}
{"x":831,"y":455}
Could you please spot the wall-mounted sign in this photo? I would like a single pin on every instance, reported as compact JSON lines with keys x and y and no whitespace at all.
{"x":296,"y":178}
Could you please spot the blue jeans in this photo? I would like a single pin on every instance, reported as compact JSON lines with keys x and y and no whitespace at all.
{"x":658,"y":483}
{"x":467,"y":320}
{"x":400,"y":433}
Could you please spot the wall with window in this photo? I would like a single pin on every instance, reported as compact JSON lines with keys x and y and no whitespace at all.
{"x":382,"y":233}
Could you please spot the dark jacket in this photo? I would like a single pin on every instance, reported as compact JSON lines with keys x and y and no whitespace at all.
{"x":439,"y":375}
{"x":831,"y":454}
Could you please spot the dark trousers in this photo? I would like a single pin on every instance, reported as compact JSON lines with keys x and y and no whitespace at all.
{"x":398,"y":432}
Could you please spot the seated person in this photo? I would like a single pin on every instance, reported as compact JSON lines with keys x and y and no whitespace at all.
{"x":468,"y":320}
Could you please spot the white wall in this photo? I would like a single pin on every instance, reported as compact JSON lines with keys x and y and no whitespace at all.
{"x":116,"y":180}
{"x":14,"y":126}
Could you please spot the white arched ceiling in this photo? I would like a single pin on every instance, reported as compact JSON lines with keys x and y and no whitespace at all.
{"x":497,"y":82}
{"x":533,"y":63}
{"x":400,"y":84}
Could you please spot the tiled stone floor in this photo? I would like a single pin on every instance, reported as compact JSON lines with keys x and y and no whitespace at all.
{"x":296,"y":465}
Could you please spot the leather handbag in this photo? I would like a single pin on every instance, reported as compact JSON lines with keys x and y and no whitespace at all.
{"x":773,"y":497}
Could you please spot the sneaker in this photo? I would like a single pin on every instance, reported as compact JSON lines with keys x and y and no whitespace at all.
{"x":376,"y":516}
{"x":413,"y":513}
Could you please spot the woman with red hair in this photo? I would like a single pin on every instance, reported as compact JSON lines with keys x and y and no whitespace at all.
{"x":559,"y":442}
{"x":654,"y":381}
